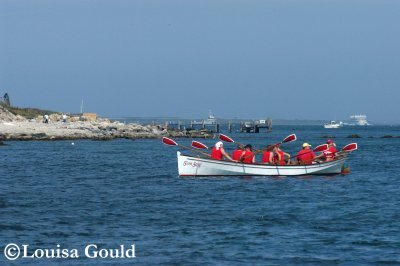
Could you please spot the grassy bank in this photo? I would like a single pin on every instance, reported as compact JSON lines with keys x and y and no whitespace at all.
{"x":28,"y":113}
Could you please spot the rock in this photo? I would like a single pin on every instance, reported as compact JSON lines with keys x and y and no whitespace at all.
{"x":390,"y":137}
{"x":101,"y":129}
{"x":39,"y":136}
{"x":354,"y":136}
{"x":6,"y":116}
{"x":55,"y":117}
{"x":20,"y":118}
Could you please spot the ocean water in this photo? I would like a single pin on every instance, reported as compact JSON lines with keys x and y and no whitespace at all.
{"x":124,"y":192}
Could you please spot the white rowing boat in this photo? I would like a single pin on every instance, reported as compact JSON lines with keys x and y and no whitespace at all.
{"x":195,"y":166}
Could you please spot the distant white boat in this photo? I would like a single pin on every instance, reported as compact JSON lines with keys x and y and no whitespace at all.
{"x":210,"y":121}
{"x":333,"y":124}
{"x":359,"y":120}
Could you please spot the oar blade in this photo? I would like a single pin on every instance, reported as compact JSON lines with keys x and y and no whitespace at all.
{"x":350,"y":147}
{"x":225,"y":138}
{"x":198,"y":145}
{"x":322,"y":147}
{"x":169,"y":142}
{"x":290,"y":138}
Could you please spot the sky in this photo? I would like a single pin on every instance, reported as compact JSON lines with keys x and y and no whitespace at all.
{"x":240,"y":59}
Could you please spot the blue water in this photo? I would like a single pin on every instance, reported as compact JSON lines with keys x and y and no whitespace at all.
{"x":125,"y":192}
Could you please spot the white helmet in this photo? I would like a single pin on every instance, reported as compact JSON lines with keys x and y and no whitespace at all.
{"x":219,"y":144}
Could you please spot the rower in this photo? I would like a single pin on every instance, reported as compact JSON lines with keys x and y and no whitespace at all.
{"x":279,"y":157}
{"x":268,"y":155}
{"x":248,"y":155}
{"x":218,"y":152}
{"x":237,"y":153}
{"x":305,"y":156}
{"x":330,"y":154}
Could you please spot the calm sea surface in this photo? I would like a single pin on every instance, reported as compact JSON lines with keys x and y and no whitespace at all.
{"x":125,"y":192}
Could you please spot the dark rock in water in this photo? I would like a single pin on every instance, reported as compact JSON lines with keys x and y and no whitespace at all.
{"x":390,"y":137}
{"x":327,"y":137}
{"x":2,"y":144}
{"x":354,"y":136}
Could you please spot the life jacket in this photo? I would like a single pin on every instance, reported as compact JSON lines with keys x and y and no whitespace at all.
{"x":236,"y":154}
{"x":305,"y":156}
{"x":216,"y":154}
{"x":248,"y":157}
{"x":282,"y":161}
{"x":330,"y":153}
{"x":266,"y":156}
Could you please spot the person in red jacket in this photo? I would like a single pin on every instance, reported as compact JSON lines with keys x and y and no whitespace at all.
{"x":330,"y":154}
{"x":218,"y":152}
{"x":268,"y":155}
{"x":306,"y":155}
{"x":248,"y":155}
{"x":279,"y":157}
{"x":236,"y":154}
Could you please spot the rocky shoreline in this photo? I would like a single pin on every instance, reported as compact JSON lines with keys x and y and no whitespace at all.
{"x":89,"y":130}
{"x":18,"y":128}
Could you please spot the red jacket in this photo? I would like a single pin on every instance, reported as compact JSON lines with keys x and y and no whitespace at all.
{"x":248,"y":157}
{"x":266,"y":157}
{"x":236,"y":154}
{"x":330,"y":153}
{"x":282,"y":160}
{"x":305,"y":156}
{"x":216,"y":154}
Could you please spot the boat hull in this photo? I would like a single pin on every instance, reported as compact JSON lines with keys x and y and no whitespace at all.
{"x":194,"y":166}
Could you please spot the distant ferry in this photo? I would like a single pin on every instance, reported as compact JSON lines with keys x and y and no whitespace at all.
{"x":210,"y":121}
{"x":359,"y":120}
{"x":333,"y":124}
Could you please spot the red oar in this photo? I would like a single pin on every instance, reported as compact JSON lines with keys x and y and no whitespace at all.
{"x":350,"y":147}
{"x":322,"y":147}
{"x":171,"y":142}
{"x":225,"y":138}
{"x":289,"y":138}
{"x":198,"y":145}
{"x":229,"y":139}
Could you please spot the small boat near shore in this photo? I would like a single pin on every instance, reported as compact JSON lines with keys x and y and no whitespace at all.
{"x":196,"y":166}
